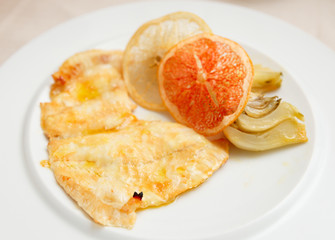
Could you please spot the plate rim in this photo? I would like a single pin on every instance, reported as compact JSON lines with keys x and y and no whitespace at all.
{"x":11,"y":59}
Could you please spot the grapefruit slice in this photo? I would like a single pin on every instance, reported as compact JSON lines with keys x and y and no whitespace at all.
{"x":147,"y":47}
{"x":205,"y":81}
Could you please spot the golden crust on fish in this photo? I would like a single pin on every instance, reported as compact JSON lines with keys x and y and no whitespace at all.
{"x":102,"y":172}
{"x":79,"y":64}
{"x":97,"y":100}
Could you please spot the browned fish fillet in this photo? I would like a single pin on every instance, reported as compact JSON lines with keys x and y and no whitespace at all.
{"x":91,"y":101}
{"x":110,"y":175}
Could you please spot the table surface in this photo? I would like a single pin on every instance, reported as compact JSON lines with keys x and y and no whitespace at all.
{"x":22,"y":20}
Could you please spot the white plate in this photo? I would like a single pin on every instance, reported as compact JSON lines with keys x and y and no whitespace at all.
{"x":271,"y":195}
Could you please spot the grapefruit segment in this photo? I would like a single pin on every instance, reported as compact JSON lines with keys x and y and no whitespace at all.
{"x":205,"y":82}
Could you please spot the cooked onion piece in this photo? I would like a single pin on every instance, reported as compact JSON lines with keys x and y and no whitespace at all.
{"x":259,"y":106}
{"x":267,"y":123}
{"x":265,"y":79}
{"x":284,"y":111}
{"x":289,"y":131}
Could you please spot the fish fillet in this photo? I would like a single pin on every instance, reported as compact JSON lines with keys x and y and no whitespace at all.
{"x":93,"y":101}
{"x":80,"y":63}
{"x":108,"y":173}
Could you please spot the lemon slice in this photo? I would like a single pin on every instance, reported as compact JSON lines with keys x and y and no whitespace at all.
{"x":148,"y":46}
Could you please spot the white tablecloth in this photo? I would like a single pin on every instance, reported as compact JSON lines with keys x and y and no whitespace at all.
{"x":22,"y":20}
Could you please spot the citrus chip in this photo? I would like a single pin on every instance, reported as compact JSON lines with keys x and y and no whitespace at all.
{"x":205,"y":82}
{"x":147,"y":47}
